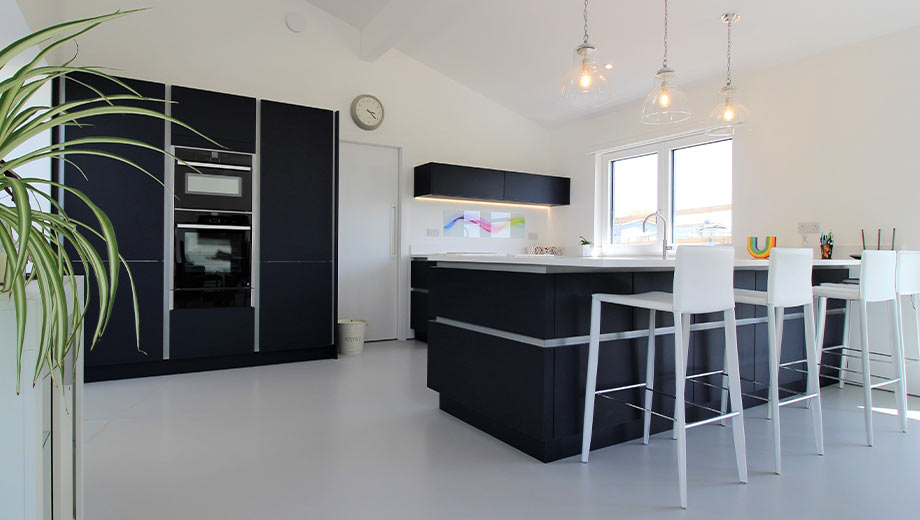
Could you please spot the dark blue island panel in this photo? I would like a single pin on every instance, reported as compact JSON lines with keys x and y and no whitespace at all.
{"x":507,"y":352}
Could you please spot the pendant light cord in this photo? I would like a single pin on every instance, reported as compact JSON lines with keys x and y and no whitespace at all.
{"x":664,"y":63}
{"x":728,"y":75}
{"x":586,"y":22}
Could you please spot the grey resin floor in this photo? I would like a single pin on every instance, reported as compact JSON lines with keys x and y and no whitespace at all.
{"x":362,"y":437}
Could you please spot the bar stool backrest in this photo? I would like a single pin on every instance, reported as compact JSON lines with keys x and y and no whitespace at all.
{"x":704,"y":279}
{"x":789,"y":277}
{"x":908,"y":272}
{"x":877,"y":275}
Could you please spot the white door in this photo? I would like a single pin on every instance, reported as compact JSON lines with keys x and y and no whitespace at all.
{"x":368,"y":237}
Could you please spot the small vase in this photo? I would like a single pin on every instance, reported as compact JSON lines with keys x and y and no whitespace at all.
{"x":826,"y":251}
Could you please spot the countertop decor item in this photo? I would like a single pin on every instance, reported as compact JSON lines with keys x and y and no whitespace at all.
{"x":367,"y":112}
{"x":544,"y":250}
{"x":585,"y":85}
{"x":728,"y":115}
{"x":758,"y":252}
{"x":827,"y":245}
{"x":586,"y":246}
{"x":665,"y":103}
{"x":31,"y":236}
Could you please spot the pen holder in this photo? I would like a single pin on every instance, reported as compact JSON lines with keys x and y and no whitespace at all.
{"x":826,"y":251}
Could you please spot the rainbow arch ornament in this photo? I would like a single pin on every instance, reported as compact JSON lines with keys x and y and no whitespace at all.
{"x":757,"y":252}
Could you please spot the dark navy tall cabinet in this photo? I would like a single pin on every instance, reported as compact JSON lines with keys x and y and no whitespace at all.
{"x":296,"y":154}
{"x":134,"y":203}
{"x":298,"y":163}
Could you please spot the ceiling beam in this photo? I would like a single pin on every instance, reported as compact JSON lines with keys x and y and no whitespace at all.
{"x":398,"y":20}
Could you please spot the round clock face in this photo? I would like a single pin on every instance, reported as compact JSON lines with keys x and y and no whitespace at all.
{"x":367,"y":111}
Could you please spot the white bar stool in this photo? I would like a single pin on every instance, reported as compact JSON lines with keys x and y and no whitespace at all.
{"x":789,"y":285}
{"x":703,"y":283}
{"x":876,"y":284}
{"x":908,"y":284}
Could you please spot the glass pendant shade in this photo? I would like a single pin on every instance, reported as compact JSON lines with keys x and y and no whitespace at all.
{"x":666,"y":103}
{"x":727,"y":117}
{"x":585,"y":85}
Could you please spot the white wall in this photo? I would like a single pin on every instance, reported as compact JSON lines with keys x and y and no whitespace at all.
{"x":244,"y":48}
{"x":12,"y":27}
{"x":832,"y":140}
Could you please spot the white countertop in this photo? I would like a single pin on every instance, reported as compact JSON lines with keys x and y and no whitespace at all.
{"x":547,"y":263}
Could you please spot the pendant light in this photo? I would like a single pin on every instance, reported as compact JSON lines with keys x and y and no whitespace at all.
{"x":665,"y":103}
{"x":585,"y":85}
{"x":730,"y":115}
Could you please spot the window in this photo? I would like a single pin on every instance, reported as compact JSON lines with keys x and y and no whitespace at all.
{"x":687,"y":179}
{"x":634,"y":192}
{"x":702,"y":207}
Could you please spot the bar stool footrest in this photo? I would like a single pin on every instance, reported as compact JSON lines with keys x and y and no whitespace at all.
{"x":718,"y":413}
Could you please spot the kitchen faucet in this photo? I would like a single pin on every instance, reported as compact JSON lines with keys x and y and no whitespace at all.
{"x":664,"y":242}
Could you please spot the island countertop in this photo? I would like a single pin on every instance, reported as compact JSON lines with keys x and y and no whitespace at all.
{"x":551,"y":264}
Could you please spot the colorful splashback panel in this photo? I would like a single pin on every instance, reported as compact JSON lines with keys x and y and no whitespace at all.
{"x":475,"y":224}
{"x":760,"y":253}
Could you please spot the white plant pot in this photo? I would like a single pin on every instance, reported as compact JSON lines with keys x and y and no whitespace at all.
{"x":29,"y":456}
{"x":587,"y":251}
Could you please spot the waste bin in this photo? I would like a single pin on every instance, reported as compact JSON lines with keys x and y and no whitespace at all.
{"x":349,"y":337}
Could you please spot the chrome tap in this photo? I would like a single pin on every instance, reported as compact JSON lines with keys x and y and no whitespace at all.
{"x":664,"y":241}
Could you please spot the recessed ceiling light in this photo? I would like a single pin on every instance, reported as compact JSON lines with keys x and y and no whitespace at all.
{"x":609,"y":66}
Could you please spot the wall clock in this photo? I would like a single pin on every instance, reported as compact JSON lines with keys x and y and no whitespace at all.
{"x":367,"y":112}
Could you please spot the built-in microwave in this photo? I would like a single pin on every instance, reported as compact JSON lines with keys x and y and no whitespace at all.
{"x":213,"y":180}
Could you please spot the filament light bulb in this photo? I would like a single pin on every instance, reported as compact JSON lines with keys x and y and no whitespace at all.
{"x":585,"y":79}
{"x":728,"y":114}
{"x":664,"y":101}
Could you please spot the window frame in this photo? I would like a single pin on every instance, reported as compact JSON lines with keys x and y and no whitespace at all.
{"x":665,"y":186}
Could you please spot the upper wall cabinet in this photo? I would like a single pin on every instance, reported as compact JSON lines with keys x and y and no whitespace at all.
{"x":536,"y":189}
{"x":226,"y":118}
{"x":467,"y":182}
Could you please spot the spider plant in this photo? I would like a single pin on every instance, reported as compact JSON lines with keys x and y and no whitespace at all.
{"x":31,"y":236}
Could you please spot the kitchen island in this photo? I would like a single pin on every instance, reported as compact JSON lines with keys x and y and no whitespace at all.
{"x":507,"y":344}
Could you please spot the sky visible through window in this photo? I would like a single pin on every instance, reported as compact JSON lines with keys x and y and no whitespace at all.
{"x":635,"y":195}
{"x":703,"y":193}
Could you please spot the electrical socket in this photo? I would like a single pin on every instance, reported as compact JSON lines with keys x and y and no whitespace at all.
{"x":809,"y":227}
{"x":533,"y":236}
{"x":433,"y":232}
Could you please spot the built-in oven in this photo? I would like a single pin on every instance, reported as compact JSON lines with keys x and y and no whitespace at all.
{"x":213,"y":260}
{"x":213,"y":180}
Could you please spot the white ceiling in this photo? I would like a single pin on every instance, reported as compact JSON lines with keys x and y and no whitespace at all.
{"x":517,"y":51}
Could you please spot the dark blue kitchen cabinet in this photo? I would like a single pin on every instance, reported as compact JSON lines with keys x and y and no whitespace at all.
{"x":536,"y":189}
{"x":226,"y":118}
{"x":297,"y":305}
{"x":297,"y":174}
{"x":298,"y":179}
{"x":118,"y":345}
{"x":211,"y":332}
{"x":132,"y":199}
{"x":461,"y":182}
{"x":453,"y":181}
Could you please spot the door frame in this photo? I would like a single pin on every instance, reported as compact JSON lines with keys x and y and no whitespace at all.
{"x":402,"y":306}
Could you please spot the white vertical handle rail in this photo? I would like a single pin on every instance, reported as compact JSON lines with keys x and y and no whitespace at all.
{"x":393,"y":231}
